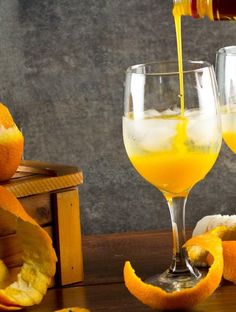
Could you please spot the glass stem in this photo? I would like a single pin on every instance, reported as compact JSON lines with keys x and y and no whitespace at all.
{"x":180,"y":261}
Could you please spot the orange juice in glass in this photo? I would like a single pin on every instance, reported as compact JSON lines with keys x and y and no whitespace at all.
{"x":163,"y":154}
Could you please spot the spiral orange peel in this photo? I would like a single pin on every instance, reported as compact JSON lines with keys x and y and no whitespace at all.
{"x":39,"y":258}
{"x":155,"y":297}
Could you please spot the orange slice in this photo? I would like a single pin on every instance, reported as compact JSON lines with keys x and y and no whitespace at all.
{"x":11,"y":144}
{"x":39,"y":258}
{"x":155,"y":297}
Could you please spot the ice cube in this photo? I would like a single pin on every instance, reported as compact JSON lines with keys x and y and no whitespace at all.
{"x":203,"y":131}
{"x":151,"y":134}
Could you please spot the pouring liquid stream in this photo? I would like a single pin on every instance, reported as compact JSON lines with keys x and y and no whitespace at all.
{"x":177,"y":19}
{"x":181,"y":131}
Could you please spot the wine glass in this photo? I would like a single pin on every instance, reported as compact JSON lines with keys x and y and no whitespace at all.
{"x":172,"y":147}
{"x":226,"y":78}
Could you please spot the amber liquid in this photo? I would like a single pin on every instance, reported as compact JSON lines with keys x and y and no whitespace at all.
{"x":182,"y":127}
{"x":177,"y":19}
{"x":174,"y":173}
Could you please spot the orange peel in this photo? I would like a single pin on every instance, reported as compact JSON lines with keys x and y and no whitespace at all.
{"x":156,"y":297}
{"x":229,"y":253}
{"x":39,"y":258}
{"x":223,"y":227}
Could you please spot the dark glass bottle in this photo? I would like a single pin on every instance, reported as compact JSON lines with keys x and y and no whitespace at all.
{"x":215,"y":10}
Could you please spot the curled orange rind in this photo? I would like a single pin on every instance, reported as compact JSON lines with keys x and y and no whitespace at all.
{"x":155,"y":297}
{"x":199,"y":256}
{"x":39,"y":259}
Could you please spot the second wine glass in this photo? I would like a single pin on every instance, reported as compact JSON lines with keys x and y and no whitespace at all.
{"x":226,"y":78}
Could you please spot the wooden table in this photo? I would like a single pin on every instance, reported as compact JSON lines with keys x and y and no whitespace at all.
{"x":103,"y":288}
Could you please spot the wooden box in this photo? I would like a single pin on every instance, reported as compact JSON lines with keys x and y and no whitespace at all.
{"x":49,"y":193}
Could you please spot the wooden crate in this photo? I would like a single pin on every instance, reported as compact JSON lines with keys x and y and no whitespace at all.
{"x":49,"y":193}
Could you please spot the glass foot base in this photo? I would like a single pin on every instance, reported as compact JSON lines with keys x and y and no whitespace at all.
{"x":171,"y":282}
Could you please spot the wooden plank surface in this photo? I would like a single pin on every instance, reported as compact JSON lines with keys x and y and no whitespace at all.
{"x":107,"y":254}
{"x":116,"y":298}
{"x":33,"y":177}
{"x":103,"y":288}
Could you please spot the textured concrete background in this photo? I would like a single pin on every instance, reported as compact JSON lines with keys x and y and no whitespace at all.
{"x":62,"y":68}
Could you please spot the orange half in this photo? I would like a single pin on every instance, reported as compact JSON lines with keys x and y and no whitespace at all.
{"x":156,"y":297}
{"x":11,"y":144}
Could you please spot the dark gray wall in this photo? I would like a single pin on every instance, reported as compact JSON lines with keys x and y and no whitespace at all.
{"x":62,"y":68}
